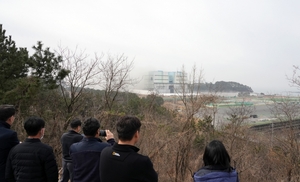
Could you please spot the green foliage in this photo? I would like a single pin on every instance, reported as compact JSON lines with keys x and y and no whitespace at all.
{"x":205,"y":131}
{"x":45,"y":65}
{"x":13,"y":63}
{"x":132,"y":104}
{"x":25,"y":89}
{"x":225,"y":87}
{"x":21,"y":76}
{"x":155,"y":100}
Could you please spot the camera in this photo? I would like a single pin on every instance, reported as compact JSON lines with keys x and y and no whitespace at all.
{"x":102,"y":133}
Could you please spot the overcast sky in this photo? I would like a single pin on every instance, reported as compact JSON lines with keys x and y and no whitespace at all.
{"x":255,"y":43}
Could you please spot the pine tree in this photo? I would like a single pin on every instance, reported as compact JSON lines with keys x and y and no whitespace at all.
{"x":13,"y":63}
{"x":45,"y":65}
{"x":23,"y":76}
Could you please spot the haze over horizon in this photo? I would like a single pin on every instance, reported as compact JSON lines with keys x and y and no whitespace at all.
{"x":255,"y":43}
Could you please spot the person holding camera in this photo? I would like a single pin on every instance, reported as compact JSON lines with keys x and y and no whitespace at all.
{"x":122,"y":162}
{"x":86,"y":153}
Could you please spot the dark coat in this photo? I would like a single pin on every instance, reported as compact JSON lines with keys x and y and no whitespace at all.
{"x":86,"y":158}
{"x":67,"y":139}
{"x":8,"y":139}
{"x":31,"y":161}
{"x":215,"y":174}
{"x":122,"y":163}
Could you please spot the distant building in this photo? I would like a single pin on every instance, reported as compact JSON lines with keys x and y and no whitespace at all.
{"x":166,"y":82}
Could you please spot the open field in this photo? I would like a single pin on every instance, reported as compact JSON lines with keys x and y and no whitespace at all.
{"x":261,"y":107}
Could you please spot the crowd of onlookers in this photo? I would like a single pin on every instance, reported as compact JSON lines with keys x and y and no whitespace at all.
{"x":86,"y":158}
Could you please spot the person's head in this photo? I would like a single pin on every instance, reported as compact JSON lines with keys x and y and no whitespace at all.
{"x":216,"y":154}
{"x":7,"y":113}
{"x":91,"y":127}
{"x":128,"y":127}
{"x":75,"y":124}
{"x":35,"y":126}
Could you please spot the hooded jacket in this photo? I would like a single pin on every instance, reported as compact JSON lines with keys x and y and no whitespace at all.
{"x":215,"y":174}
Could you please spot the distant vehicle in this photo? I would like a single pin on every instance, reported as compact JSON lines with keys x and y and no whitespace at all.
{"x":253,"y":116}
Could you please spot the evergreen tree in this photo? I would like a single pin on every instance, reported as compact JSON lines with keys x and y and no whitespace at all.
{"x":13,"y":62}
{"x":23,"y":76}
{"x":45,"y":66}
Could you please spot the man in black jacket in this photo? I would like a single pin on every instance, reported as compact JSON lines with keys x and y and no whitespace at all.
{"x":8,"y":137}
{"x":32,"y":161}
{"x":122,"y":162}
{"x":67,"y":139}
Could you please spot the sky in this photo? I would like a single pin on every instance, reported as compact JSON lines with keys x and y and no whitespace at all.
{"x":255,"y":43}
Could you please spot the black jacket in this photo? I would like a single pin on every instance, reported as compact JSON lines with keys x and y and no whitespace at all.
{"x":8,"y":139}
{"x":67,"y":139}
{"x":122,"y":163}
{"x":31,"y":161}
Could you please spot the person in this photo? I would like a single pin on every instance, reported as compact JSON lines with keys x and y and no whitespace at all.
{"x":216,"y":165}
{"x":8,"y":137}
{"x":121,"y":162}
{"x":86,"y":153}
{"x":67,"y":139}
{"x":32,"y":160}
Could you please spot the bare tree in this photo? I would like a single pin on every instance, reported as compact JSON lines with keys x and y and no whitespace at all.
{"x":295,"y":79}
{"x":236,"y":134}
{"x":189,"y":94}
{"x":285,"y":138}
{"x":189,"y":91}
{"x":83,"y":73}
{"x":114,"y":77}
{"x":237,"y":117}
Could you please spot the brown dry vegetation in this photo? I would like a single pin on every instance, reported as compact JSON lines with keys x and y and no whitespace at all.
{"x":175,"y":144}
{"x":174,"y":133}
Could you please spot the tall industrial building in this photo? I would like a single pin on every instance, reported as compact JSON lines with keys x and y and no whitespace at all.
{"x":166,"y":82}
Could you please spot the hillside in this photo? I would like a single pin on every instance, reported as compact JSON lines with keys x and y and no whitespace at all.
{"x":222,"y":86}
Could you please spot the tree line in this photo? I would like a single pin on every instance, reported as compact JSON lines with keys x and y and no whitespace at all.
{"x":223,"y":86}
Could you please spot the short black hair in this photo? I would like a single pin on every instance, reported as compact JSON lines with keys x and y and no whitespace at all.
{"x":127,"y":127}
{"x":90,"y":127}
{"x":75,"y":123}
{"x":216,"y":154}
{"x":6,"y":111}
{"x":33,"y":125}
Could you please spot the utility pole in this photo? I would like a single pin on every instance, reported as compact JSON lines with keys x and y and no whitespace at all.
{"x":272,"y":134}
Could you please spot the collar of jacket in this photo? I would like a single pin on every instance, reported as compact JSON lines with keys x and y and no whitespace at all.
{"x":125,"y":148}
{"x":4,"y":124}
{"x":32,"y":140}
{"x":216,"y":167}
{"x":87,"y":139}
{"x":72,"y":131}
